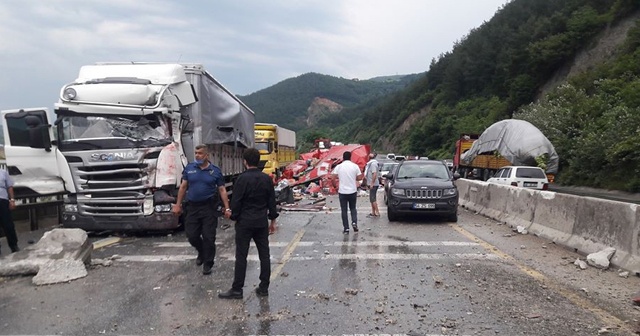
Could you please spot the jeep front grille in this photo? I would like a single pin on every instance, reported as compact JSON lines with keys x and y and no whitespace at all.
{"x":423,"y":194}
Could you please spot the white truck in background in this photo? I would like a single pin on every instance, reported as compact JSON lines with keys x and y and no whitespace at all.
{"x":122,"y":134}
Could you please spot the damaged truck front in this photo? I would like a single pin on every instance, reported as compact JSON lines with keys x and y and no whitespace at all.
{"x":121,"y":136}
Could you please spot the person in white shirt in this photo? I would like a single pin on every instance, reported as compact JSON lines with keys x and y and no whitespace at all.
{"x":348,"y":173}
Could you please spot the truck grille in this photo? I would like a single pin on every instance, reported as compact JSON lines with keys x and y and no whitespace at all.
{"x":423,"y":194}
{"x":111,"y":190}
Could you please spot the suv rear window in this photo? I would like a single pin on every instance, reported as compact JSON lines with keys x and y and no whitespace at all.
{"x":530,"y":173}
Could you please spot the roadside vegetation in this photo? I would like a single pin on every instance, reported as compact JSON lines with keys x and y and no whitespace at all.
{"x":500,"y":68}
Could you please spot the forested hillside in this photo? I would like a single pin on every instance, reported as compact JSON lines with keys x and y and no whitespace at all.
{"x":500,"y":68}
{"x":286,"y":103}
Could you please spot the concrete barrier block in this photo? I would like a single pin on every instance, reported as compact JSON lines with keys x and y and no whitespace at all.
{"x":494,"y":201}
{"x":520,"y":206}
{"x":471,"y":194}
{"x":609,"y":223}
{"x":554,"y":216}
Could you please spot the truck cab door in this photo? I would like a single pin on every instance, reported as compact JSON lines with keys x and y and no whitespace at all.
{"x":32,"y":161}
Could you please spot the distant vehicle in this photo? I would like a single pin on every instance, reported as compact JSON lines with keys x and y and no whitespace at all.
{"x":521,"y":176}
{"x":422,"y":187}
{"x":508,"y":142}
{"x":384,"y":181}
{"x":385,"y":168}
{"x":277,"y":146}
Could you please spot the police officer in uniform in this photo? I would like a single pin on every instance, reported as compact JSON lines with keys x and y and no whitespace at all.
{"x":203,"y":186}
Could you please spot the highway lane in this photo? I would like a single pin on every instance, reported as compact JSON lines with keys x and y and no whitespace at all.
{"x":420,"y":276}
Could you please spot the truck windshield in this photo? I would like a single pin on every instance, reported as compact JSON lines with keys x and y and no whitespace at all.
{"x":80,"y":132}
{"x":264,"y":147}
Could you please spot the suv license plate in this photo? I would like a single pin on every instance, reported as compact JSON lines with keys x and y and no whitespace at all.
{"x":530,"y":184}
{"x":424,"y":206}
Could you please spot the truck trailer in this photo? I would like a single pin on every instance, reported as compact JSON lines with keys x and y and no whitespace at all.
{"x":277,"y":146}
{"x":509,"y":142}
{"x":123,"y":132}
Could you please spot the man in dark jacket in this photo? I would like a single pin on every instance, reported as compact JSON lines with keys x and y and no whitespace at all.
{"x":252,"y":206}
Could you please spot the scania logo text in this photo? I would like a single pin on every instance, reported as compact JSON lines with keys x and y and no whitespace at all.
{"x":118,"y":156}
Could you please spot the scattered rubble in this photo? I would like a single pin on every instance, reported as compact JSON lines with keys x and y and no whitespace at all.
{"x":351,"y":291}
{"x":580,"y":263}
{"x":59,"y":256}
{"x":602,"y":258}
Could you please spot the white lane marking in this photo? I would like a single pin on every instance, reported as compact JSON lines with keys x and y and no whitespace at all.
{"x":386,"y":243}
{"x":366,"y":256}
{"x":149,"y":258}
{"x":293,"y":334}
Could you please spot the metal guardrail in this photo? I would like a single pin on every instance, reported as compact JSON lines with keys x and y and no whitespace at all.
{"x":31,"y":204}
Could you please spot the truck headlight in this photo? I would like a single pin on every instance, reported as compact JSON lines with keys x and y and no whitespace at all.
{"x":397,"y":192}
{"x":450,"y":192}
{"x":70,"y":208}
{"x":163,"y":207}
{"x":147,"y":206}
{"x":69,"y":94}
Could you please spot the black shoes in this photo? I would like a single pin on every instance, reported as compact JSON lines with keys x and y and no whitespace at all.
{"x":262,"y":292}
{"x":345,"y":231}
{"x":231,"y":294}
{"x":199,"y":260}
{"x":206,"y":269}
{"x":355,"y":227}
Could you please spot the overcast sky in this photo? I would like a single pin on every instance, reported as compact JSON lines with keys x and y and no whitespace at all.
{"x":248,"y":45}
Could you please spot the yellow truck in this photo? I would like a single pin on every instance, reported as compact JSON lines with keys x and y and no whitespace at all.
{"x":277,"y":146}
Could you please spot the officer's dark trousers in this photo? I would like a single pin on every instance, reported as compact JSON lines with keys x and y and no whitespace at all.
{"x":200,"y":226}
{"x":260,"y":236}
{"x":8,"y":227}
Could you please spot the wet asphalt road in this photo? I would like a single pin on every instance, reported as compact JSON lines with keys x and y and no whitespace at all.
{"x":420,"y":276}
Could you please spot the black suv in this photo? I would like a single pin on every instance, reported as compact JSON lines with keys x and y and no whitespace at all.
{"x":422,"y":187}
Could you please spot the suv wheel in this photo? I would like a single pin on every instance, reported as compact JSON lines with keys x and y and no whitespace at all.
{"x":392,"y":215}
{"x":453,"y":217}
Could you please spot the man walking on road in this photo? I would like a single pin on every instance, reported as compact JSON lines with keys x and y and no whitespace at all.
{"x":252,"y":206}
{"x":7,"y":204}
{"x":203,"y":185}
{"x":371,"y":174}
{"x":347,"y":173}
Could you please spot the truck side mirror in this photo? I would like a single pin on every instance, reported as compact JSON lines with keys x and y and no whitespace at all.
{"x":456,"y":175}
{"x":38,"y":135}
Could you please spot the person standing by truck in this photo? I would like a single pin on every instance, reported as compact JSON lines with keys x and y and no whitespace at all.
{"x":252,"y":207}
{"x":203,"y":185}
{"x":7,"y":203}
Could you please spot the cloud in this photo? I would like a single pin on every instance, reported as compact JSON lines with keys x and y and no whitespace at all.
{"x":246,"y":44}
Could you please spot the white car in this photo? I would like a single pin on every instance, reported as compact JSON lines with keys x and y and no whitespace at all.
{"x":521,"y":176}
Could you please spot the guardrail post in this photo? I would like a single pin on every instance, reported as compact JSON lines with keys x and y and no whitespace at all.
{"x":59,"y":209}
{"x":33,"y":215}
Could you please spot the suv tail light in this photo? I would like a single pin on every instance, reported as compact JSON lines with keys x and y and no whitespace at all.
{"x":545,"y":186}
{"x":515,"y":184}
